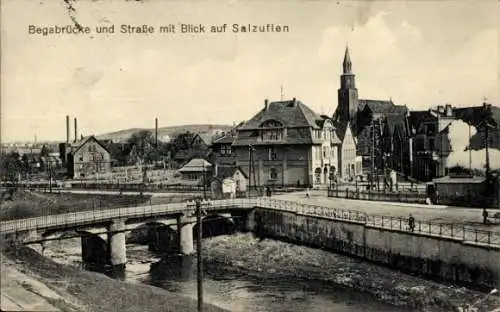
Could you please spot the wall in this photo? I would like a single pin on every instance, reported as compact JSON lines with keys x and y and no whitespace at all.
{"x":289,"y":163}
{"x":440,"y":258}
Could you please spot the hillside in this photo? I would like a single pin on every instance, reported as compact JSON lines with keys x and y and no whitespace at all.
{"x":123,"y":135}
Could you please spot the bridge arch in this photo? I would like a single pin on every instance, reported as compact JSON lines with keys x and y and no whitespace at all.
{"x":216,"y":224}
{"x":160,"y":236}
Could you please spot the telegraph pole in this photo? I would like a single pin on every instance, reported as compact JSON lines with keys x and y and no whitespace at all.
{"x":373,"y":155}
{"x":198,"y":256}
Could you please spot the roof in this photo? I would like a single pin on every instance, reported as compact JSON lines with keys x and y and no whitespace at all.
{"x":196,"y":165}
{"x":224,"y":172}
{"x":295,"y":116}
{"x":382,"y":107}
{"x":396,"y":123}
{"x":85,"y":140}
{"x":341,"y":128}
{"x":229,"y":136}
{"x":205,"y":137}
{"x":292,"y":114}
{"x":449,"y":179}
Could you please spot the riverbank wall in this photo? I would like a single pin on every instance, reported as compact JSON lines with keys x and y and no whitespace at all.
{"x":470,"y":264}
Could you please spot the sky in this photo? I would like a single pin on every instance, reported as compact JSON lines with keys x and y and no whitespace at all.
{"x":418,"y":53}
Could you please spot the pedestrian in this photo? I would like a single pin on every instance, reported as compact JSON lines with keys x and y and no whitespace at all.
{"x":485,"y":216}
{"x":411,"y":223}
{"x":307,"y":192}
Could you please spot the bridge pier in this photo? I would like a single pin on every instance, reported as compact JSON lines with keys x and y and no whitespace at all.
{"x":117,"y":245}
{"x":185,"y":227}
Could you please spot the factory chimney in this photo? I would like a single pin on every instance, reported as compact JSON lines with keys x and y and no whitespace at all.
{"x":67,"y":129}
{"x":156,"y":132}
{"x":76,"y":131}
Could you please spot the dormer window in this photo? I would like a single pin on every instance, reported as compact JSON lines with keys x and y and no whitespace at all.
{"x":271,"y":130}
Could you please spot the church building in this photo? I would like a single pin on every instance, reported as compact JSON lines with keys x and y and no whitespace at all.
{"x":379,"y":127}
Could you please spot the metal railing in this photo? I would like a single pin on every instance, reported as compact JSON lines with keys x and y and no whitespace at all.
{"x":72,"y":219}
{"x":471,"y":200}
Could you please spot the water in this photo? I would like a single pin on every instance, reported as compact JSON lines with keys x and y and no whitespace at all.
{"x":237,"y":291}
{"x":242,"y":273}
{"x":241,"y":292}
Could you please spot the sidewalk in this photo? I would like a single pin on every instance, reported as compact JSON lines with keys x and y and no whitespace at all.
{"x":20,"y":292}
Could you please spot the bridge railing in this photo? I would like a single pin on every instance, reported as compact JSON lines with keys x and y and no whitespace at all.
{"x":449,"y":230}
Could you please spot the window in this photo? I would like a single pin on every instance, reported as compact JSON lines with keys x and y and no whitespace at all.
{"x":225,"y":150}
{"x":273,"y":174}
{"x":271,"y":135}
{"x":272,"y":153}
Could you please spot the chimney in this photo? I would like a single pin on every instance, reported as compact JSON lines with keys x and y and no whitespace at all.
{"x":67,"y":130}
{"x":266,"y":104}
{"x":156,"y":131}
{"x":440,"y":109}
{"x":448,"y":110}
{"x":76,"y":130}
{"x":294,"y":101}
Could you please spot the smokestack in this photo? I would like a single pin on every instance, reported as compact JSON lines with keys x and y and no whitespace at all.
{"x":156,"y":131}
{"x":76,"y":131}
{"x":67,"y":129}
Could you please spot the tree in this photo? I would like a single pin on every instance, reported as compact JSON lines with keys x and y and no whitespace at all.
{"x":45,"y":151}
{"x":145,"y":146}
{"x":12,"y":167}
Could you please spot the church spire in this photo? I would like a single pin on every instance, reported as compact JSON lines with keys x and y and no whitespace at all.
{"x":347,"y":61}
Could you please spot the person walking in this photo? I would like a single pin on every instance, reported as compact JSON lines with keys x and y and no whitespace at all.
{"x":411,"y":223}
{"x":485,"y":216}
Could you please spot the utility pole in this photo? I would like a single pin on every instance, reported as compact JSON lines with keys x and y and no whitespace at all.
{"x":470,"y":153}
{"x":373,"y":154}
{"x":50,"y":176}
{"x":198,"y":256}
{"x":282,"y":94}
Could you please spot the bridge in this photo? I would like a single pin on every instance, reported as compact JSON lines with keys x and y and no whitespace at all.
{"x":171,"y":226}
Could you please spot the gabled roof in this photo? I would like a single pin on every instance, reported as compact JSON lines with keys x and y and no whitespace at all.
{"x":196,"y":165}
{"x":396,"y":124}
{"x":382,"y":107}
{"x":292,"y":114}
{"x":88,"y":139}
{"x":205,"y":137}
{"x":224,"y":172}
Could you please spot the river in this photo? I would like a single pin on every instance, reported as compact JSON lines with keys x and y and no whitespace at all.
{"x":241,"y":273}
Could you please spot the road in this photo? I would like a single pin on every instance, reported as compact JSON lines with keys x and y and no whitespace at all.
{"x":471,"y":217}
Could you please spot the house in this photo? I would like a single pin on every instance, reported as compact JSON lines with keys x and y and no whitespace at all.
{"x":221,"y":147}
{"x":285,"y":143}
{"x":228,"y":181}
{"x":195,"y":171}
{"x":88,"y":158}
{"x":431,"y":145}
{"x":190,"y":145}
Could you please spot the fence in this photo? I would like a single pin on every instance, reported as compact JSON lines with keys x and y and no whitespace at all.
{"x":400,"y":196}
{"x":415,"y":197}
{"x":447,"y":230}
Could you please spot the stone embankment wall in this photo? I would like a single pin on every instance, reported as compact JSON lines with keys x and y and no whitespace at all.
{"x":471,"y":264}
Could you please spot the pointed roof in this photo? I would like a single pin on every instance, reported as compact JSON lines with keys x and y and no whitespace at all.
{"x":347,"y":61}
{"x":88,"y":139}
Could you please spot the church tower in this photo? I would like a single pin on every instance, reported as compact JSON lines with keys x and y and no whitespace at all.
{"x":347,"y":107}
